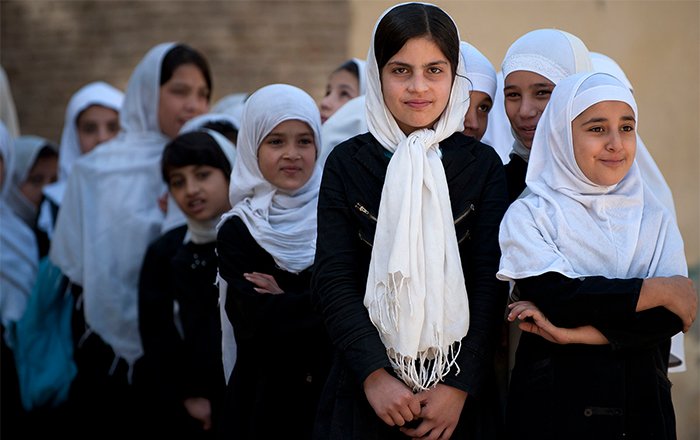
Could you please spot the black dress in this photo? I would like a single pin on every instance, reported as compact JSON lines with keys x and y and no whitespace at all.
{"x":348,"y":204}
{"x":516,"y":169}
{"x":283,"y":350}
{"x":180,"y":328}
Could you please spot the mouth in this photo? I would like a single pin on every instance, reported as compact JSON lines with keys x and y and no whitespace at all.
{"x":418,"y":103}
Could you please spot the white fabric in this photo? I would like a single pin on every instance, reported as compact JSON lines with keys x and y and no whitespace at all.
{"x":498,"y":133}
{"x":8,"y":112}
{"x":569,"y":225}
{"x":231,"y":105}
{"x":282,"y":223}
{"x":362,"y":74}
{"x":552,"y":53}
{"x":110,"y":213}
{"x":415,"y":293}
{"x":348,"y":121}
{"x":27,"y":149}
{"x":19,"y":255}
{"x":652,"y":177}
{"x":480,"y":71}
{"x":229,"y":347}
{"x":198,"y":122}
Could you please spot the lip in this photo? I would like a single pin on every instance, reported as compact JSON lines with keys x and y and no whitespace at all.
{"x":418,"y":103}
{"x":196,"y":206}
{"x":290,"y":170}
{"x":613,"y":163}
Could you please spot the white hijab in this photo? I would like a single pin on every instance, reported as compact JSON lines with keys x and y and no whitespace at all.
{"x":568,"y":224}
{"x":8,"y":112}
{"x":110,"y":213}
{"x":552,"y":53}
{"x":27,"y":149}
{"x":283,"y":223}
{"x":94,"y":93}
{"x":416,"y":293}
{"x":480,"y":71}
{"x":19,"y":255}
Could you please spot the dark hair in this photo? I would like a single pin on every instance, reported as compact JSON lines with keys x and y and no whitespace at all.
{"x":49,"y":149}
{"x":193,"y":148}
{"x":349,"y":66}
{"x":224,"y":127}
{"x":413,"y":20}
{"x":184,"y":54}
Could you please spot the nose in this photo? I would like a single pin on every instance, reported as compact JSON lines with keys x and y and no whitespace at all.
{"x":103,"y":134}
{"x":470,"y":120}
{"x":614,"y":141}
{"x":418,"y":83}
{"x":191,"y":186}
{"x":528,"y":108}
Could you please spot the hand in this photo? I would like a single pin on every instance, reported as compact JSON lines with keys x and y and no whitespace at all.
{"x":391,"y":399}
{"x":676,"y":293}
{"x":532,"y":320}
{"x":200,"y":409}
{"x":441,"y":407}
{"x":265,"y":283}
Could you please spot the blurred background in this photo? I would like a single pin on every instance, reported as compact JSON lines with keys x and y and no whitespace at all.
{"x":50,"y":48}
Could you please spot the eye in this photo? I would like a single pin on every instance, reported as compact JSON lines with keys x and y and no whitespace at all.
{"x":88,"y":128}
{"x":628,"y":128}
{"x":176,"y":183}
{"x":203,"y":175}
{"x":306,"y":141}
{"x":484,"y":108}
{"x":596,"y":129}
{"x":399,"y":70}
{"x":512,"y":95}
{"x":543,"y":93}
{"x":435,"y":70}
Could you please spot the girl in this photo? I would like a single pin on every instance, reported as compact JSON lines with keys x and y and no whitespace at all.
{"x":601,"y":272}
{"x":108,"y":217}
{"x":344,"y":84}
{"x":407,"y":248}
{"x":92,"y":117}
{"x":533,"y":65}
{"x":178,"y":302}
{"x":482,"y":81}
{"x":266,"y":247}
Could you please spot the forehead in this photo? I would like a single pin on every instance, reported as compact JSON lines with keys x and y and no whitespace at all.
{"x":526,"y":79}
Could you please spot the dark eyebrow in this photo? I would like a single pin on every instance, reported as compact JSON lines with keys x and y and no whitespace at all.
{"x":432,"y":63}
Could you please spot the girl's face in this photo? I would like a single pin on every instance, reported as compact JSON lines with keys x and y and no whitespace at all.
{"x":287,"y":155}
{"x":96,"y":124}
{"x":477,"y":117}
{"x":184,"y":96}
{"x":605,"y":141}
{"x":526,"y":96}
{"x":43,"y":172}
{"x":201,"y":191}
{"x":342,"y":87}
{"x":416,"y":84}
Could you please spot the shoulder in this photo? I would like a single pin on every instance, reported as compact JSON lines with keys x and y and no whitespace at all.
{"x":167,"y":243}
{"x":461,"y":147}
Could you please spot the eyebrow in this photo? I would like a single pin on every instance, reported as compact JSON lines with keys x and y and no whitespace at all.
{"x":432,"y":63}
{"x":531,"y":86}
{"x":594,"y":120}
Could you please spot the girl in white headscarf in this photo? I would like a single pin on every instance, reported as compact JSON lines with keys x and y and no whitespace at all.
{"x":344,"y":84}
{"x":92,"y":117}
{"x":533,"y":65}
{"x":407,"y":248}
{"x":108,"y":217}
{"x":601,"y":272}
{"x":266,"y":246}
{"x":482,"y":81}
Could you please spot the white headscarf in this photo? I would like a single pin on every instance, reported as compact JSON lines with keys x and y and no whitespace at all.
{"x":110,"y":213}
{"x":19,"y":254}
{"x":498,"y":133}
{"x":552,"y":53}
{"x":8,"y":113}
{"x":416,"y":294}
{"x":231,"y":104}
{"x":574,"y":227}
{"x":283,"y":223}
{"x":27,"y":149}
{"x":94,"y":93}
{"x":480,"y":71}
{"x":361,"y":74}
{"x":348,"y":121}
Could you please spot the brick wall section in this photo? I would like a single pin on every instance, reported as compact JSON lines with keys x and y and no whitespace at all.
{"x":50,"y":48}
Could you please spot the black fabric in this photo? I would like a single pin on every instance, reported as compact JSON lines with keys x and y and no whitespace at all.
{"x":348,"y":204}
{"x":283,"y":349}
{"x":182,"y":351}
{"x":597,"y":392}
{"x":516,"y":169}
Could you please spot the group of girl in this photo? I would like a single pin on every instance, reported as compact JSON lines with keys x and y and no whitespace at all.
{"x":288,"y":286}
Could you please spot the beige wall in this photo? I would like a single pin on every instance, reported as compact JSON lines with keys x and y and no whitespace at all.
{"x":657,"y":43}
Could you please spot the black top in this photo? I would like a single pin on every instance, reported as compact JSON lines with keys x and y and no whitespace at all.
{"x":180,"y":326}
{"x":516,"y":169}
{"x":348,"y":204}
{"x":283,"y":350}
{"x":579,"y":391}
